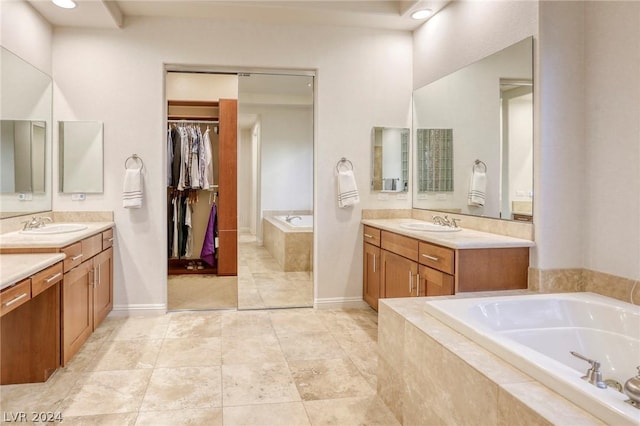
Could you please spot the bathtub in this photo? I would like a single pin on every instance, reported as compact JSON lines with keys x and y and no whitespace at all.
{"x":535,"y":333}
{"x":299,"y":222}
{"x":290,"y":243}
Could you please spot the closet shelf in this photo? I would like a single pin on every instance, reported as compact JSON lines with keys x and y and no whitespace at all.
{"x":174,"y":102}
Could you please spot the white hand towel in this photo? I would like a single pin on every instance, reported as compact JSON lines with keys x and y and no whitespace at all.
{"x":347,"y":189}
{"x":477,"y":188}
{"x":132,"y":190}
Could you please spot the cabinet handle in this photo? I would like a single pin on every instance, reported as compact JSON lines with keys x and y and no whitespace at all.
{"x":410,"y":282}
{"x":53,"y":277}
{"x":74,"y":258}
{"x":92,"y":281}
{"x":110,"y":240}
{"x":418,"y":285}
{"x":374,"y":263}
{"x":368,"y":236}
{"x":435,"y":259}
{"x":15,"y":299}
{"x":99,"y":275}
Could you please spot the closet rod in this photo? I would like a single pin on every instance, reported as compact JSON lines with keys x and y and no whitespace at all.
{"x":194,"y":121}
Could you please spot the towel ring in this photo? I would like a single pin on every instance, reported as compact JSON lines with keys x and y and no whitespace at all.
{"x":135,"y":158}
{"x":481,"y":164}
{"x":344,"y":162}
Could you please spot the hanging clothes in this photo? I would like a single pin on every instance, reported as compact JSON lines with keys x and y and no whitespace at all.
{"x":208,"y":253}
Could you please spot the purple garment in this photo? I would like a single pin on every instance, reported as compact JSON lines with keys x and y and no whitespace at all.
{"x":208,"y":246}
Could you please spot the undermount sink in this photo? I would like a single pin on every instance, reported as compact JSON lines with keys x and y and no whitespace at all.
{"x":427,"y":226}
{"x":58,"y":228}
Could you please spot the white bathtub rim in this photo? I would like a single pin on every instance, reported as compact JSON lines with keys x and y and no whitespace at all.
{"x":284,"y":227}
{"x":535,"y":364}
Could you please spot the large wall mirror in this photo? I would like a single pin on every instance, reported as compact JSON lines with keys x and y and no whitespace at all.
{"x":25,"y":144}
{"x":474,"y":138}
{"x":390,"y":158}
{"x":81,"y":156}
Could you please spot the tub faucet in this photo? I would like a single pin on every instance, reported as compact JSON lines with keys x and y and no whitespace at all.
{"x":290,"y":218}
{"x":594,"y":375}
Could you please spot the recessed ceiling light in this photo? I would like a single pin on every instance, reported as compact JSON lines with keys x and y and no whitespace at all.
{"x":421,"y":14}
{"x":65,"y":4}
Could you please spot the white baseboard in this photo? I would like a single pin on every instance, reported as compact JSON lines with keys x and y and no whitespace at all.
{"x":137,"y":310}
{"x":340,"y":303}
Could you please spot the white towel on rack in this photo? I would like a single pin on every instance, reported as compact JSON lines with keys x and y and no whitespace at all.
{"x":132,"y":190}
{"x":477,"y":188}
{"x":347,"y":189}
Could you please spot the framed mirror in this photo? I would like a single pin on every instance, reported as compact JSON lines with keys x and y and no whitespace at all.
{"x":25,"y":137}
{"x":474,"y":138}
{"x":81,"y":156}
{"x":390,"y":159}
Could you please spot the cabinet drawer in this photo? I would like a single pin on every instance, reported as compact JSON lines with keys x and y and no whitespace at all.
{"x":107,"y":239}
{"x":371,"y":235}
{"x":15,"y":296}
{"x":436,"y":283}
{"x":45,"y":279}
{"x":440,"y":258}
{"x":91,"y":246}
{"x":74,"y":256}
{"x":404,"y":246}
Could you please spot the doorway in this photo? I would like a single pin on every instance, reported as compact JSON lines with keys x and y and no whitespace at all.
{"x":275,"y":190}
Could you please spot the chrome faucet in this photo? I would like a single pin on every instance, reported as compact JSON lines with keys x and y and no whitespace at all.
{"x":36,"y":222}
{"x":445,"y":221}
{"x":594,"y":375}
{"x":290,"y":218}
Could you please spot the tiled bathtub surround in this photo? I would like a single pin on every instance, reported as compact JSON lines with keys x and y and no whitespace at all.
{"x":570,"y":280}
{"x":430,"y":374}
{"x":291,"y":248}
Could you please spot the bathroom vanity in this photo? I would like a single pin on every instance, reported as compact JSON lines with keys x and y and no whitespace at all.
{"x":86,"y":273}
{"x":400,"y":262}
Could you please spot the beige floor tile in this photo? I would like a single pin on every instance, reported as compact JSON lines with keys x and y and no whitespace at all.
{"x":124,"y":419}
{"x":190,"y":352}
{"x":133,"y":328}
{"x":183,"y":388}
{"x":251,"y":349}
{"x":126,"y":355}
{"x":329,"y":379}
{"x":291,"y":414}
{"x":314,"y":345}
{"x":296,"y":321}
{"x":246,"y":323}
{"x":194,"y":324}
{"x":37,"y":397}
{"x":348,"y":320}
{"x":203,"y":417}
{"x":350,"y":411}
{"x":244,"y":384}
{"x":117,"y":392}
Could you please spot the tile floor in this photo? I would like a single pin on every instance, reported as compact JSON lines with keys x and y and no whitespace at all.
{"x":279,"y":367}
{"x":260,"y":284}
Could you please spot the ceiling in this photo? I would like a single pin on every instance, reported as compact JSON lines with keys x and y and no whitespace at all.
{"x":384,"y":14}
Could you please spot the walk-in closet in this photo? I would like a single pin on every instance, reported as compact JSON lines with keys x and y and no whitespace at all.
{"x":201,"y":157}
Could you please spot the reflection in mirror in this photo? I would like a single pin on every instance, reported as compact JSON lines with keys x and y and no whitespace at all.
{"x":487,"y":107}
{"x":390,"y":152}
{"x":25,"y":146}
{"x":23,"y":156}
{"x":81,"y":159}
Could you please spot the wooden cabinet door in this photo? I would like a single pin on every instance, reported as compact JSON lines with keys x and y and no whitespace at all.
{"x":77,"y":309}
{"x":399,"y":275}
{"x":435,"y":283}
{"x":371,"y":275}
{"x":103,"y":286}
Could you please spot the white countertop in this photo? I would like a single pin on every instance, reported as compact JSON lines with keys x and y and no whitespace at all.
{"x":17,"y":240}
{"x":16,"y":267}
{"x":463,"y":239}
